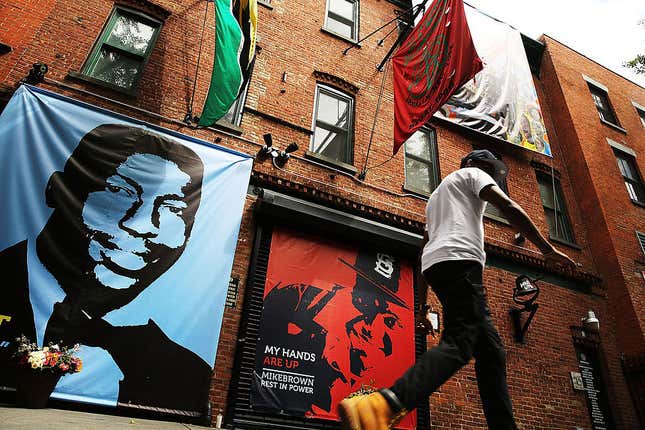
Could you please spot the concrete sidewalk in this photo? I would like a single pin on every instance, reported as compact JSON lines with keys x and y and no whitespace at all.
{"x":12,"y":418}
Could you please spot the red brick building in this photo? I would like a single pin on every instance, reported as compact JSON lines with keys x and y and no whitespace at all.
{"x":300,"y":66}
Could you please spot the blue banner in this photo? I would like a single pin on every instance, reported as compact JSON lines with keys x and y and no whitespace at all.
{"x":120,"y":236}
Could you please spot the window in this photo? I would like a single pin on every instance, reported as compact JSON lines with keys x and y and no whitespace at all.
{"x":421,"y":164}
{"x":234,"y":114}
{"x":123,"y":49}
{"x":601,"y":99}
{"x":641,"y":240}
{"x":342,"y":18}
{"x":491,"y":210}
{"x":641,"y":114}
{"x":633,"y":181}
{"x":334,"y":125}
{"x":554,"y":209}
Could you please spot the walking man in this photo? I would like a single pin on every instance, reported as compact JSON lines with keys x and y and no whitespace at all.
{"x":452,"y":262}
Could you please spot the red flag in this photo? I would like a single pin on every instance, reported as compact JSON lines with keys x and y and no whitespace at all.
{"x":435,"y":60}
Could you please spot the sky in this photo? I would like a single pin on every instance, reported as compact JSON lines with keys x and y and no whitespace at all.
{"x":606,"y":31}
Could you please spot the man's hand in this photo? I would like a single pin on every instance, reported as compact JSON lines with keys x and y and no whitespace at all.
{"x":423,"y":323}
{"x":558,"y":260}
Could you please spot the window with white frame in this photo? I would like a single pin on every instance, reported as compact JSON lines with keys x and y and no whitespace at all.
{"x":334,"y":123}
{"x":554,"y":208}
{"x":641,"y":240}
{"x":601,"y":100}
{"x":342,"y":18}
{"x":421,"y":162}
{"x":641,"y":114}
{"x":631,"y":176}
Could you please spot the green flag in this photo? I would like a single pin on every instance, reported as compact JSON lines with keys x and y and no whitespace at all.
{"x":234,"y":51}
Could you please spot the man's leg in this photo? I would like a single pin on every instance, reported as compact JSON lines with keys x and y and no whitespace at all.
{"x":490,"y":368}
{"x":462,"y":322}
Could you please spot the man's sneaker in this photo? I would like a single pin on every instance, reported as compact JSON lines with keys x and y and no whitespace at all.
{"x":367,"y":412}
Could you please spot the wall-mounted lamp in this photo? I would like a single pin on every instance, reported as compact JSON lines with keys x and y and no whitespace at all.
{"x":280,"y":157}
{"x":591,"y":322}
{"x":525,"y":294}
{"x":36,"y":74}
{"x":267,"y":149}
{"x":283,"y":156}
{"x":519,"y":239}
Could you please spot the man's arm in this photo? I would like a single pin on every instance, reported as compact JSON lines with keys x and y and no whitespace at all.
{"x":422,"y":321}
{"x":514,"y":213}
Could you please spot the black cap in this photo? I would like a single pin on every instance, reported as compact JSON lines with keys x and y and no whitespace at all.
{"x":377,"y":278}
{"x":485,"y":156}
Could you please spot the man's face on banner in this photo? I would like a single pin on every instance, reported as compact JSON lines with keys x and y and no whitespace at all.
{"x":136,"y":219}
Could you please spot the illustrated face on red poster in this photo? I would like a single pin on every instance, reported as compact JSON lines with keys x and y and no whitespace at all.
{"x":335,"y":318}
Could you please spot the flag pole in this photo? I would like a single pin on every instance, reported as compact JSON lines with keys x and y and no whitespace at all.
{"x":401,"y":37}
{"x":189,"y":118}
{"x":358,"y":42}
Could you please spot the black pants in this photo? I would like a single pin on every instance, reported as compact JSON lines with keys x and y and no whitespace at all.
{"x":468,"y":332}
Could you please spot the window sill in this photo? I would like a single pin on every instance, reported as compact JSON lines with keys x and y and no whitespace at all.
{"x":637,"y":203}
{"x":76,"y":76}
{"x":348,"y":168}
{"x":496,"y":219}
{"x":227,"y":126}
{"x":265,"y":4}
{"x":415,"y":192}
{"x":565,"y":243}
{"x":614,"y":126}
{"x":341,"y":37}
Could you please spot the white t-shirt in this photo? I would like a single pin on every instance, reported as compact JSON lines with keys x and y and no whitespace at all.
{"x":454,"y":218}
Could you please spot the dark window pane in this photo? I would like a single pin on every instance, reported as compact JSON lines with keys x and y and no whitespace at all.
{"x":601,"y":100}
{"x":131,"y":35}
{"x":546,"y":193}
{"x":631,"y":176}
{"x":116,"y":69}
{"x":642,"y":115}
{"x":554,"y":209}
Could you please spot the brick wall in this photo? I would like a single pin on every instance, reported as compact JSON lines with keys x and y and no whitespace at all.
{"x":602,"y":190}
{"x":291,"y":41}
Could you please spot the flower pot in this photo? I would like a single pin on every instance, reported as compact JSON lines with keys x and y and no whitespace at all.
{"x":33,"y":387}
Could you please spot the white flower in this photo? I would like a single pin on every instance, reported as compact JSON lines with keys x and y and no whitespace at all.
{"x":55,"y":348}
{"x":36,"y":359}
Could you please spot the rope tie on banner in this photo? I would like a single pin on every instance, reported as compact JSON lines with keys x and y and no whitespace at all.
{"x":189,"y":118}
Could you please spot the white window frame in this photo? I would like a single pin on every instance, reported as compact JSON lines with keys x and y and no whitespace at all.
{"x":355,"y":21}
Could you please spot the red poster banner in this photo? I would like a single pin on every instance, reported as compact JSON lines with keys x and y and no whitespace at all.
{"x":435,"y":60}
{"x":335,"y":319}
